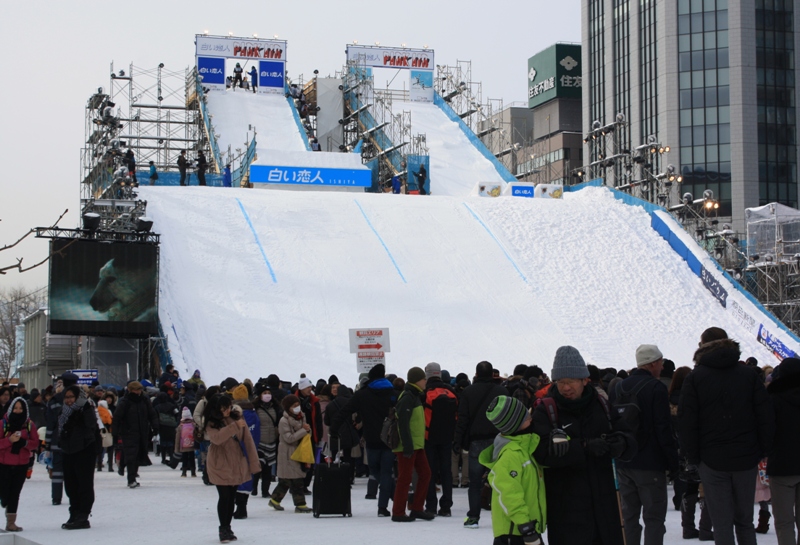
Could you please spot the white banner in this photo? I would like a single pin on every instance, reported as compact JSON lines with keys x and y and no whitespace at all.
{"x":421,"y":85}
{"x":240,"y":48}
{"x":384,"y":57}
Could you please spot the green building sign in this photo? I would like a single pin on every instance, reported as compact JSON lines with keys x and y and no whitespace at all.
{"x":554,"y":73}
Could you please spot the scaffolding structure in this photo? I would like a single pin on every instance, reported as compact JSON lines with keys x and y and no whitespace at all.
{"x":368,"y":118}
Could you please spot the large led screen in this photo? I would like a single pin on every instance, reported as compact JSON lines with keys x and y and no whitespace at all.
{"x":103,"y":288}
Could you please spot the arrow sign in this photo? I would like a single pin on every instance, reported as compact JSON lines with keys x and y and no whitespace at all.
{"x":369,"y":338}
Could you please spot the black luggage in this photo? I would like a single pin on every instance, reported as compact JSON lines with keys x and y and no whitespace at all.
{"x":331,"y":493}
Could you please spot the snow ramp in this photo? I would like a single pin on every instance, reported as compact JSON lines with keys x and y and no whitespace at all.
{"x":236,"y":113}
{"x":458,"y":159}
{"x":255,"y":282}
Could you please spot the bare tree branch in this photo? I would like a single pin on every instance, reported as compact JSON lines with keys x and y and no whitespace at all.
{"x":18,"y":266}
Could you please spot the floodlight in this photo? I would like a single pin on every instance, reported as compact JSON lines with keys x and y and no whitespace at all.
{"x":144,"y":224}
{"x":91,"y":221}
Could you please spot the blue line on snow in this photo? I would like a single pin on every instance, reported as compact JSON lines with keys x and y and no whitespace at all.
{"x":258,"y":242}
{"x":381,"y":241}
{"x":474,"y":215}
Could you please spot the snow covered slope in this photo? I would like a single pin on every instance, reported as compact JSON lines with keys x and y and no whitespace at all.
{"x":270,"y":115}
{"x":456,"y":165}
{"x":258,"y":282}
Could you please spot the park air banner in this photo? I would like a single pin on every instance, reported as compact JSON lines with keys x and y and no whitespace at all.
{"x":217,"y":56}
{"x":102,"y":288}
{"x":391,"y":57}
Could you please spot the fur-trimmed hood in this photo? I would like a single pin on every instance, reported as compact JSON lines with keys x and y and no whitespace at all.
{"x":718,"y":354}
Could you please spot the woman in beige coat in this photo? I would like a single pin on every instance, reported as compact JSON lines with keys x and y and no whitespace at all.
{"x":292,"y":428}
{"x":232,"y":457}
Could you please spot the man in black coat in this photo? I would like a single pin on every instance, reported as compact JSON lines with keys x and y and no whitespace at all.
{"x":441,"y":408}
{"x":726,"y":426}
{"x":135,"y":421}
{"x":202,"y":165}
{"x":474,"y":432}
{"x":580,"y":438}
{"x":783,"y":466}
{"x":52,"y":412}
{"x":643,"y":480}
{"x":182,"y":164}
{"x":372,"y":403}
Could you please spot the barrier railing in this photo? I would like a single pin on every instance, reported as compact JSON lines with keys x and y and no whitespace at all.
{"x":212,"y":139}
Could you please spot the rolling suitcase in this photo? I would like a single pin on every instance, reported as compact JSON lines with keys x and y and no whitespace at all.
{"x":331,"y":493}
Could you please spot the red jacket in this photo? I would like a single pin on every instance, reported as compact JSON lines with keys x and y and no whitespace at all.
{"x":30,"y":439}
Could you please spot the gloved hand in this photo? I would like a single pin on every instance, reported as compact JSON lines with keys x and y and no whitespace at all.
{"x":529,"y":534}
{"x":559,"y":443}
{"x":690,"y":474}
{"x":597,"y":446}
{"x":408,"y":453}
{"x":616,"y":444}
{"x":457,"y":448}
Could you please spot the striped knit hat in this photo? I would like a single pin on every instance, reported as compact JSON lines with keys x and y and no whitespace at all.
{"x":506,"y":413}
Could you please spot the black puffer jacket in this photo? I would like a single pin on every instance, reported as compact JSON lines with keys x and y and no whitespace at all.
{"x":472,"y":422}
{"x":348,"y":436}
{"x":372,"y":403}
{"x":80,"y":430}
{"x":725,"y":415}
{"x":134,"y":421}
{"x":784,"y":459}
{"x":581,"y":495}
{"x":657,"y":449}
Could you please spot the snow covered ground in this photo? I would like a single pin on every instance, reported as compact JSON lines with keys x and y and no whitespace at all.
{"x":175,"y":511}
{"x":456,"y":165}
{"x":254,"y":282}
{"x":271,"y":116}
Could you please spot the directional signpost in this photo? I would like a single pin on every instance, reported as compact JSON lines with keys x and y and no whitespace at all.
{"x":370,"y":346}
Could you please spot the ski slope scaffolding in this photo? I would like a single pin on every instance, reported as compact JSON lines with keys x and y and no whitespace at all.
{"x":271,"y":116}
{"x":456,"y":164}
{"x":254,"y":282}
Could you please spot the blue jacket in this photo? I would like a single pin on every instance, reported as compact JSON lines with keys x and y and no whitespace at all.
{"x":227,"y":178}
{"x":396,"y":185}
{"x":253,"y":75}
{"x":152,"y":171}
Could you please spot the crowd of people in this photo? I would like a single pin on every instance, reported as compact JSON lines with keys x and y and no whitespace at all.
{"x":584,"y":456}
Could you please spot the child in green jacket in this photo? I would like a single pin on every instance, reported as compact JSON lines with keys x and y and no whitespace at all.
{"x":519,"y":511}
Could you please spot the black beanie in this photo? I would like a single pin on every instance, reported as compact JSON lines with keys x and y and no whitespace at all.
{"x":273,"y":381}
{"x":379,"y":371}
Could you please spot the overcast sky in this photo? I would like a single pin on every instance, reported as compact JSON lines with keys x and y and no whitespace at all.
{"x":56,"y":54}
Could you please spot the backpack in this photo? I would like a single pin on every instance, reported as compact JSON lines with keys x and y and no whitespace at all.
{"x":626,"y":405}
{"x":390,"y":434}
{"x":441,"y":408}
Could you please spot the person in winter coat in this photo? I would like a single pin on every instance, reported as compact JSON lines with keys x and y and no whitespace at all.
{"x":241,"y":400}
{"x":269,"y":412}
{"x":254,"y":78}
{"x":202,"y":165}
{"x":232,"y":457}
{"x":200,"y":423}
{"x":346,"y":433}
{"x":19,"y":439}
{"x":168,"y":418}
{"x":238,"y":72}
{"x":313,"y":413}
{"x":687,"y":486}
{"x":474,"y":432}
{"x":643,"y":479}
{"x":411,"y":450}
{"x":726,"y":428}
{"x":135,"y":421}
{"x":106,"y":419}
{"x":183,"y":164}
{"x":153,"y":174}
{"x":291,"y":474}
{"x":184,"y":442}
{"x":195,"y":379}
{"x":51,"y":442}
{"x":441,"y":408}
{"x":79,"y":438}
{"x":580,"y":439}
{"x":37,"y":409}
{"x":519,"y":510}
{"x":783,"y":466}
{"x":372,"y":403}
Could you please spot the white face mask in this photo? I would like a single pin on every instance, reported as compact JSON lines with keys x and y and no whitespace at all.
{"x":296,"y":410}
{"x":266,"y":398}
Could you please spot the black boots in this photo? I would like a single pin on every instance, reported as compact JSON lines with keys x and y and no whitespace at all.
{"x":688,"y":507}
{"x":241,"y":506}
{"x":226,"y":534}
{"x":763,"y":521}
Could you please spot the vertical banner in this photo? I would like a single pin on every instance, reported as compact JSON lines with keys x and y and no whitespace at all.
{"x":418,"y":168}
{"x":212,"y":69}
{"x":271,"y":77}
{"x":421,"y":86}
